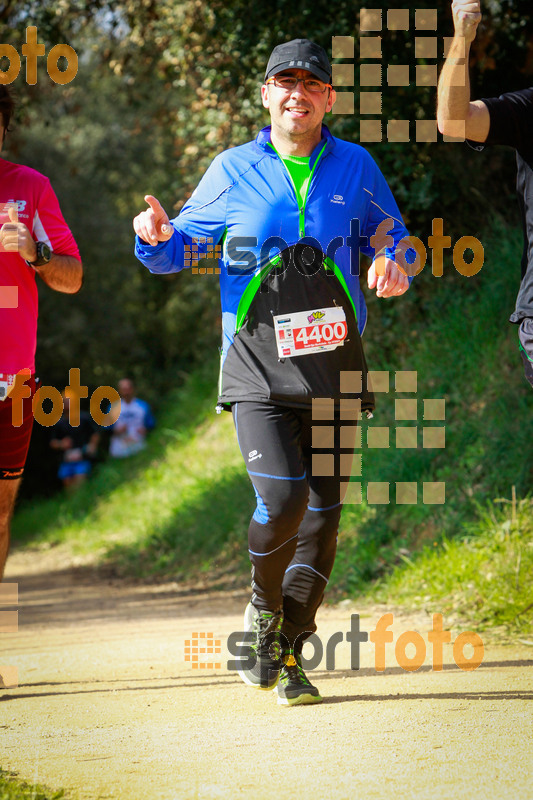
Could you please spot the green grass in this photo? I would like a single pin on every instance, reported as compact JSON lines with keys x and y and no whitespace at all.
{"x":483,"y":577}
{"x":455,"y":335}
{"x":177,"y":509}
{"x":181,"y":508}
{"x":13,"y":789}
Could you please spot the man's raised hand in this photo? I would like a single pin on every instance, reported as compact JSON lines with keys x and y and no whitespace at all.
{"x":153,"y":225}
{"x":466,"y":18}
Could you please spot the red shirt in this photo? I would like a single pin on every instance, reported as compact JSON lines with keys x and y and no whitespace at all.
{"x":38,"y":209}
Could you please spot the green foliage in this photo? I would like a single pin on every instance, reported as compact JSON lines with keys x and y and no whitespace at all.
{"x":178,"y":509}
{"x":453,"y":332}
{"x":161,"y":88}
{"x":13,"y":789}
{"x":483,"y":577}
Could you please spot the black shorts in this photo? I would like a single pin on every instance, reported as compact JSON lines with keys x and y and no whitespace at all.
{"x":15,"y":440}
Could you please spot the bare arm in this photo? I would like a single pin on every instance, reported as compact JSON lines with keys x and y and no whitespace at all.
{"x":457,"y":115}
{"x":62,"y":273}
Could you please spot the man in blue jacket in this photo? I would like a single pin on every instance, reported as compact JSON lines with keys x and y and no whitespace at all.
{"x":291,"y":211}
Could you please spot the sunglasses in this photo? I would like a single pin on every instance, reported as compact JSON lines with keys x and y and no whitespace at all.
{"x":290,"y":82}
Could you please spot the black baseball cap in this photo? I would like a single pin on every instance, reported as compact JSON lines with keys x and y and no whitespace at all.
{"x":299,"y":54}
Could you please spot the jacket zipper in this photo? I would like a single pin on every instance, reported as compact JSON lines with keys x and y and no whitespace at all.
{"x":251,"y":289}
{"x":301,"y":207}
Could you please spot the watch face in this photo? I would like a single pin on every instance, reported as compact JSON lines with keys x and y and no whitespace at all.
{"x":43,"y":253}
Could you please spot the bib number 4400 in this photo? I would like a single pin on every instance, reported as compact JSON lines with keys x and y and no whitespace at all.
{"x":316,"y":335}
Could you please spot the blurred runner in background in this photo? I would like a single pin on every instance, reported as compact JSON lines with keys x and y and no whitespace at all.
{"x":78,"y":445}
{"x":133,"y":421}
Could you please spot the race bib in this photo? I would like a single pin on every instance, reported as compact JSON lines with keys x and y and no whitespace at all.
{"x":306,"y":332}
{"x":7,"y":383}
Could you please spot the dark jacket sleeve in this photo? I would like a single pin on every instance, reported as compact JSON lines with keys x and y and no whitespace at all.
{"x":511,"y":119}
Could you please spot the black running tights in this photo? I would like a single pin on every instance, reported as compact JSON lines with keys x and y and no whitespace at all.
{"x":298,"y":466}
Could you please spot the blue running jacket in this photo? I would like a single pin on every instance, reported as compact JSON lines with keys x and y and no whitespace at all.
{"x":280,"y":256}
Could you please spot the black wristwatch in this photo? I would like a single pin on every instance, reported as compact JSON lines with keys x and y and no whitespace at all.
{"x":44,"y":254}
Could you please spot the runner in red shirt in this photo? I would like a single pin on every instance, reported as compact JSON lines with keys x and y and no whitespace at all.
{"x":34,"y":238}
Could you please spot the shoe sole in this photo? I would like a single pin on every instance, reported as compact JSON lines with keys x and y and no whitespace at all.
{"x":248,"y":615}
{"x":301,"y":700}
{"x":247,"y":680}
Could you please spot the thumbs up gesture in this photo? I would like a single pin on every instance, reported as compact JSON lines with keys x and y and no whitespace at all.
{"x":15,"y":237}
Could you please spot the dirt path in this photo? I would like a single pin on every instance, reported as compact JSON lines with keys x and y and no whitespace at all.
{"x":107,"y":705}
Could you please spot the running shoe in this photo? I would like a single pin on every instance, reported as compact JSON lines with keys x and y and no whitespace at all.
{"x":261,"y":654}
{"x":294,"y":688}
